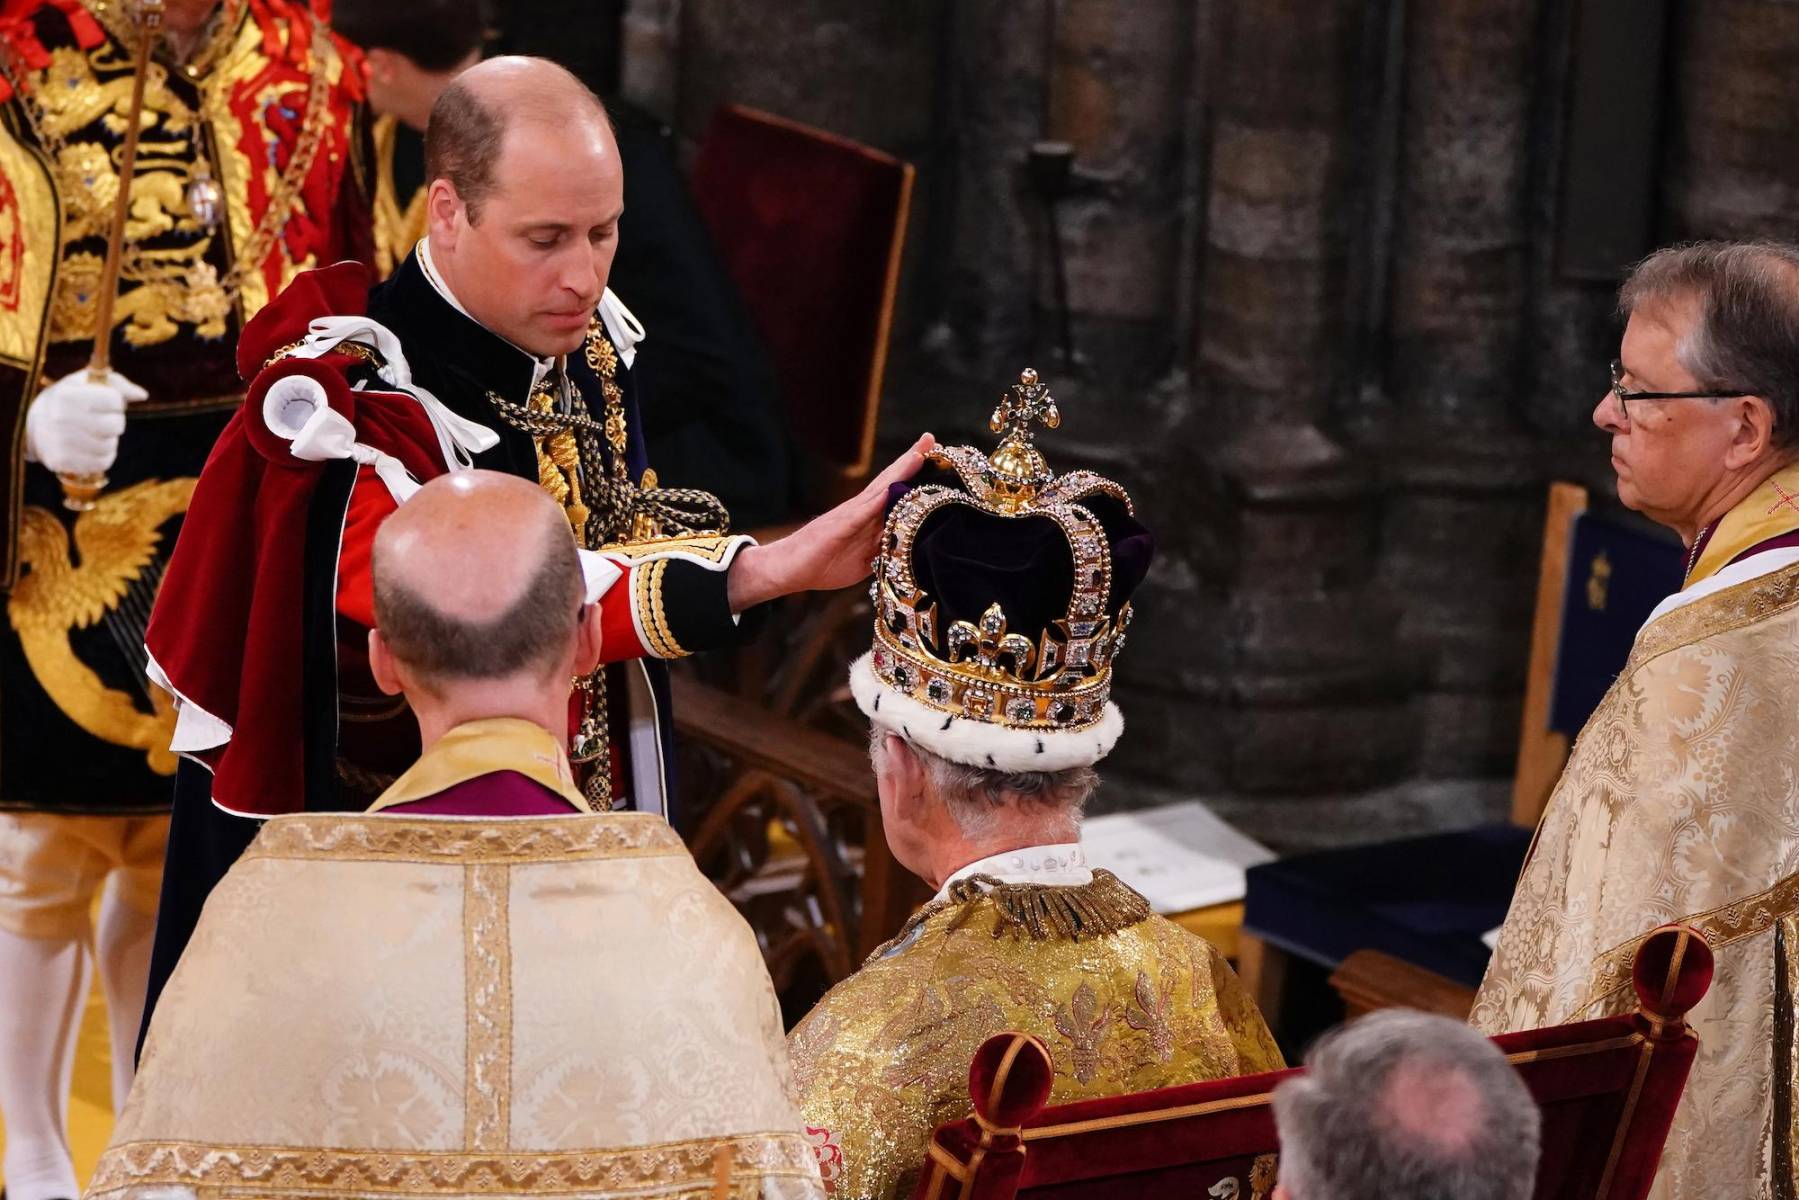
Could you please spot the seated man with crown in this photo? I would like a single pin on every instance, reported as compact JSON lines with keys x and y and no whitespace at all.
{"x":1002,"y":594}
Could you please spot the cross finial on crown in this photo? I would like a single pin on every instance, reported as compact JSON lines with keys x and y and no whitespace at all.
{"x":1025,"y":403}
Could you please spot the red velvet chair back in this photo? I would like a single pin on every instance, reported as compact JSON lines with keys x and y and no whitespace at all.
{"x":1607,"y":1088}
{"x":811,"y":227}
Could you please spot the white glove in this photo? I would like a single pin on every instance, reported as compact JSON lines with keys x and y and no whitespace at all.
{"x":73,"y":426}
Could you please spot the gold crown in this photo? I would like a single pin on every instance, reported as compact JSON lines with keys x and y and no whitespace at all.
{"x":1055,"y":679}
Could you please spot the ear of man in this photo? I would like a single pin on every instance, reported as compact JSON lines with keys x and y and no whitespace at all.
{"x":444,"y":214}
{"x":907,"y":776}
{"x":1753,"y":436}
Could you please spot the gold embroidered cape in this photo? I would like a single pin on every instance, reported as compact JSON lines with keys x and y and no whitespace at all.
{"x":884,"y":1057}
{"x":557,"y":1006}
{"x":1680,"y":802}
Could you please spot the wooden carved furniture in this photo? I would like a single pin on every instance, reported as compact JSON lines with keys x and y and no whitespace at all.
{"x":1607,"y":1088}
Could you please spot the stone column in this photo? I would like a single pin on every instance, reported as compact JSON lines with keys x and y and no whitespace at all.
{"x":1301,"y":677}
{"x":1732,"y":172}
{"x":1463,"y":523}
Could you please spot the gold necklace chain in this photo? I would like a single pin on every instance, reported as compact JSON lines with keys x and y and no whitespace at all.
{"x":280,"y":209}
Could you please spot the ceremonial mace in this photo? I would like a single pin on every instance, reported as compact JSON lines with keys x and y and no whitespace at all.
{"x":79,"y":492}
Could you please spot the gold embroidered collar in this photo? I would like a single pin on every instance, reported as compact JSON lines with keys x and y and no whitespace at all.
{"x":1769,"y":511}
{"x":478,"y":748}
{"x":1040,"y":912}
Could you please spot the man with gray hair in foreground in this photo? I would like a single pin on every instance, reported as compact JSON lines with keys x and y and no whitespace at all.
{"x":479,"y":985}
{"x":1404,"y":1105}
{"x":1002,"y":598}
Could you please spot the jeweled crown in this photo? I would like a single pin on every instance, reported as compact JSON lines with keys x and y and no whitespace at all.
{"x":964,"y":560}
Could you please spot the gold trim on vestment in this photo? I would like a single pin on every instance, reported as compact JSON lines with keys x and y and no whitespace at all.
{"x":670,"y":1169}
{"x":1719,"y":927}
{"x":483,"y":747}
{"x":1768,"y":512}
{"x":1785,"y":1181}
{"x":1719,"y":613}
{"x":487,"y":951}
{"x":343,"y":837}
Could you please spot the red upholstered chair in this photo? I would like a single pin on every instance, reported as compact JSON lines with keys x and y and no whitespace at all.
{"x":1608,"y":1089}
{"x":811,"y":227}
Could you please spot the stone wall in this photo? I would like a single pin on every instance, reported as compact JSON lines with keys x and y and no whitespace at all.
{"x":1318,"y":321}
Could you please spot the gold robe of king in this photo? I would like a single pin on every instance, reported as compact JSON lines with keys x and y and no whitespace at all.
{"x":884,"y":1057}
{"x":1680,"y":802}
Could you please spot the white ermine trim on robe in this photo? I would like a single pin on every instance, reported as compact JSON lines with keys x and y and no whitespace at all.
{"x":622,"y":326}
{"x":981,"y":743}
{"x":195,"y":728}
{"x":599,"y":573}
{"x":1753,"y":567}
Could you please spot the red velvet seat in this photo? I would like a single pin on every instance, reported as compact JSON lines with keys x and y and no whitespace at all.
{"x":1608,"y":1090}
{"x":811,"y":227}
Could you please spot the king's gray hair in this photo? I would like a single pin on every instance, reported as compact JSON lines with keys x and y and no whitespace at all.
{"x":975,"y":795}
{"x":1403,"y":1105}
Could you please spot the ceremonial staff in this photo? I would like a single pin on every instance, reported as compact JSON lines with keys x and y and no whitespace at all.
{"x":79,"y":492}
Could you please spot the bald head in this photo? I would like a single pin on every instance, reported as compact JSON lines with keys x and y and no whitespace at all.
{"x":476,"y":577}
{"x":471,"y":119}
{"x":1407,"y":1106}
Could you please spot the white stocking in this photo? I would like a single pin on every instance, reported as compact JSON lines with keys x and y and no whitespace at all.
{"x":43,"y":983}
{"x":122,"y":946}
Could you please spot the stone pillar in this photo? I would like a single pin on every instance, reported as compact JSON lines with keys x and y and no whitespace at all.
{"x":1301,"y":675}
{"x":1467,"y":504}
{"x":1731,"y":168}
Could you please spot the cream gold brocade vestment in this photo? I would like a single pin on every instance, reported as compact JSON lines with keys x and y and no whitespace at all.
{"x":405,"y":1006}
{"x":1680,"y":802}
{"x":884,"y":1057}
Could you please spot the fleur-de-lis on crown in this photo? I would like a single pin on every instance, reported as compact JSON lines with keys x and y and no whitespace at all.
{"x":988,"y":641}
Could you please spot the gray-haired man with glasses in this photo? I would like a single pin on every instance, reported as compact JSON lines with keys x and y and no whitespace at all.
{"x":1680,"y":801}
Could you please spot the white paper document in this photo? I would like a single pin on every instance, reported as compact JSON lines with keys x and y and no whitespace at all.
{"x":1179,"y":856}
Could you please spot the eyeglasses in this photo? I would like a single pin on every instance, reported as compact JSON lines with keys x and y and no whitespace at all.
{"x":1625,"y":395}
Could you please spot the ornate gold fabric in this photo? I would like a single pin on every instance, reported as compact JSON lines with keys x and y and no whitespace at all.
{"x":1680,"y":802}
{"x":399,"y":222}
{"x":415,"y":1006}
{"x":116,"y":543}
{"x":884,"y":1057}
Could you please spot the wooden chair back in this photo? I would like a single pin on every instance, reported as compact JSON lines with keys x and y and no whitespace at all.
{"x":812,"y":228}
{"x":1607,"y":1089}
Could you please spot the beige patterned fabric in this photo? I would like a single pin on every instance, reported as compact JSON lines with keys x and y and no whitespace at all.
{"x":553,"y":1006}
{"x":1680,"y":802}
{"x":883,"y":1059}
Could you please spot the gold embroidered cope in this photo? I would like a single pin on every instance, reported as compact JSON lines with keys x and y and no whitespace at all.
{"x":553,"y":1006}
{"x":884,"y":1057}
{"x":1680,"y":802}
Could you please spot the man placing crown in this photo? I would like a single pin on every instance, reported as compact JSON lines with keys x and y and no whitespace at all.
{"x":495,"y":344}
{"x":1002,"y":596}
